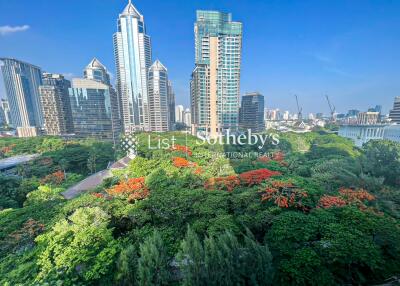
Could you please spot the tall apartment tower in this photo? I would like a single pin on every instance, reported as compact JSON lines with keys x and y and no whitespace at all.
{"x":179,"y":113}
{"x":56,"y":107}
{"x":252,"y":112}
{"x":158,"y":97}
{"x":394,"y":114}
{"x":215,"y":82}
{"x":132,"y":51}
{"x":22,"y":81}
{"x":171,"y":106}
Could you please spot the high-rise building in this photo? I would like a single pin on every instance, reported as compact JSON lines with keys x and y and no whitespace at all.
{"x":158,"y":97}
{"x":179,"y":113}
{"x":22,"y":81}
{"x":95,"y":70}
{"x":132,"y":51}
{"x":252,"y":112}
{"x":394,"y":114}
{"x":215,"y":82}
{"x":94,"y":109}
{"x":56,"y":107}
{"x":187,"y":117}
{"x":5,"y":112}
{"x":171,"y":106}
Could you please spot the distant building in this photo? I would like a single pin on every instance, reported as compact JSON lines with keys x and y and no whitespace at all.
{"x":187,"y":117}
{"x":319,"y":115}
{"x":394,"y":114}
{"x":158,"y":97}
{"x":94,"y":109}
{"x":132,"y":50}
{"x":392,"y":133}
{"x":367,"y":118}
{"x":353,"y":113}
{"x":252,"y":112}
{"x":56,"y":107}
{"x":171,"y":106}
{"x":5,"y":115}
{"x":286,"y":115}
{"x":215,"y":81}
{"x":179,"y":113}
{"x":22,"y":81}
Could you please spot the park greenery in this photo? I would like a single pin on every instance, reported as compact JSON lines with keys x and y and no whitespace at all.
{"x":312,"y":210}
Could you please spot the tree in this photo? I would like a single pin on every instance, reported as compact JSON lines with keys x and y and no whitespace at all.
{"x":81,"y":248}
{"x":381,"y":158}
{"x":127,"y":266}
{"x":153,"y":262}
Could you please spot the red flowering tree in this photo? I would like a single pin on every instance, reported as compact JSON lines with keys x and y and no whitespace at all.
{"x":359,"y":195}
{"x":255,"y":177}
{"x":134,"y":189}
{"x":227,"y":183}
{"x":346,"y":197}
{"x":264,"y":159}
{"x":181,"y":148}
{"x":284,"y":194}
{"x":278,"y":156}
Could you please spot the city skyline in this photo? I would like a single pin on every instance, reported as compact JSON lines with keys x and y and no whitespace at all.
{"x":352,"y":57}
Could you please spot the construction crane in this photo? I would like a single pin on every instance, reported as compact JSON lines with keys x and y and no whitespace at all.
{"x":299,"y":109}
{"x":332,"y":108}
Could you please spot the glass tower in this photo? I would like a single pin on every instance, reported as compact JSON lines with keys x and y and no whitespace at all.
{"x":215,"y":82}
{"x":22,"y":81}
{"x":158,"y":98}
{"x":132,"y":51}
{"x":252,"y":112}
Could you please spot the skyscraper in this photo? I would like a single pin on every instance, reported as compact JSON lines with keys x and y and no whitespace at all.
{"x":171,"y":106}
{"x":95,"y":70}
{"x":394,"y":114}
{"x":187,"y":117}
{"x":56,"y":107}
{"x":158,"y":97}
{"x":22,"y":81}
{"x":94,"y":105}
{"x":215,"y":82}
{"x":132,"y":51}
{"x":252,"y":112}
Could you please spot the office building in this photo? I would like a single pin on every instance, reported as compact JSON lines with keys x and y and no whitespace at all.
{"x":394,"y":114}
{"x":56,"y":107}
{"x":132,"y":51}
{"x":95,"y":70}
{"x":171,"y":106}
{"x":215,"y":81}
{"x":252,"y":112}
{"x":158,"y":97}
{"x":5,"y":115}
{"x":94,"y":109}
{"x":22,"y":81}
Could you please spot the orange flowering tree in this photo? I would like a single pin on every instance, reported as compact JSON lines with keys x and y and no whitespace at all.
{"x":55,"y":178}
{"x":133,"y":188}
{"x":222,"y":183}
{"x":181,"y":148}
{"x":284,"y":194}
{"x":346,"y":196}
{"x":255,"y":177}
{"x":278,"y":156}
{"x":180,"y":162}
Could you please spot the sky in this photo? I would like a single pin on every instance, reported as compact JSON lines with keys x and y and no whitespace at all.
{"x":347,"y":49}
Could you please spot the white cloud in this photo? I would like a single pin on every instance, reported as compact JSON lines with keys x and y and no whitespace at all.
{"x":5,"y":30}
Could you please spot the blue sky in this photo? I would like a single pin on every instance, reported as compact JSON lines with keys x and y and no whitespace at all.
{"x":349,"y":50}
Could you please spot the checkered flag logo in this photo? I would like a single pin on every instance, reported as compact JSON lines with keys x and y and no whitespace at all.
{"x":130,"y":143}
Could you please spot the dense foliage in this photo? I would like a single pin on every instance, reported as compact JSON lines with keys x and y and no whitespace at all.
{"x":313,"y":210}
